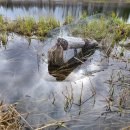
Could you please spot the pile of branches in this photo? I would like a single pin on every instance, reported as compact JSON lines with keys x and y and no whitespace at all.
{"x":9,"y":118}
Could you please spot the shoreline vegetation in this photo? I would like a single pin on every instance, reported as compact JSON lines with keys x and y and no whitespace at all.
{"x":28,"y":26}
{"x":98,"y":29}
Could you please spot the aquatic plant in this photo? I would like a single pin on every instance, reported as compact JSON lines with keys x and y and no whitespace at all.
{"x":96,"y":29}
{"x":84,"y":15}
{"x":27,"y":26}
{"x":1,"y":19}
{"x":103,"y":27}
{"x":69,"y":19}
{"x":46,"y":25}
{"x":3,"y":38}
{"x":2,"y":24}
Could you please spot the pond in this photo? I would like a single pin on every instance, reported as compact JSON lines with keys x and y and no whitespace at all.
{"x":61,"y":9}
{"x":80,"y":100}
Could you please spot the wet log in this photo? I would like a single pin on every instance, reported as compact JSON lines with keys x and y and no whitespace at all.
{"x":60,"y":73}
{"x":55,"y":56}
{"x":71,"y":42}
{"x":56,"y":53}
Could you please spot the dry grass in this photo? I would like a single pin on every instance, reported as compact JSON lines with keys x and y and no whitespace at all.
{"x":9,"y":119}
{"x":126,"y":128}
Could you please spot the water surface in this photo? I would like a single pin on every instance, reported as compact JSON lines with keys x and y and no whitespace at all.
{"x":61,"y":9}
{"x":25,"y":79}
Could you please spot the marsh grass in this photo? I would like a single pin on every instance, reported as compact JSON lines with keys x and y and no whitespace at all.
{"x":46,"y":25}
{"x":69,"y":19}
{"x":3,"y":38}
{"x":84,"y":15}
{"x":101,"y":28}
{"x":28,"y":26}
{"x":118,"y":94}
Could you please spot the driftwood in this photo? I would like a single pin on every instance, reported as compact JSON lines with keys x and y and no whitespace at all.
{"x":63,"y":71}
{"x":56,"y":53}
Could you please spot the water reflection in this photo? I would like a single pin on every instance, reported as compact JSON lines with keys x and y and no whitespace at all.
{"x":25,"y":76}
{"x":23,"y":79}
{"x":60,"y":9}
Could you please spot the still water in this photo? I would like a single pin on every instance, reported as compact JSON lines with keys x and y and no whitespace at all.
{"x":25,"y":79}
{"x":60,"y":9}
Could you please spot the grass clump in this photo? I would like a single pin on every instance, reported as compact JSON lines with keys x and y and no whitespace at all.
{"x":2,"y":24}
{"x":69,"y":19}
{"x":27,"y":26}
{"x":23,"y":26}
{"x":46,"y":25}
{"x":3,"y":38}
{"x":97,"y":29}
{"x":84,"y":15}
{"x":103,"y":27}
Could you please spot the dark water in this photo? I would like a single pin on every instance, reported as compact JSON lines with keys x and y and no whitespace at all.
{"x":60,"y":9}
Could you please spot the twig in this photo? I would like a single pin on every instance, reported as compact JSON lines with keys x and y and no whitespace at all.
{"x":79,"y":60}
{"x":12,"y":108}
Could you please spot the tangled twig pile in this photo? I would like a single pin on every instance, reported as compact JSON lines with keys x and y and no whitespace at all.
{"x":9,"y":119}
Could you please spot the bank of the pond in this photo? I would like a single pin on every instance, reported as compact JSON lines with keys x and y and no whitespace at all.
{"x":108,"y":30}
{"x":28,"y":26}
{"x":111,"y":27}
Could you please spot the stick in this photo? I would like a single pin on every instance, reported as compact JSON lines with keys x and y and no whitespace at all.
{"x":78,"y":60}
{"x":11,"y":107}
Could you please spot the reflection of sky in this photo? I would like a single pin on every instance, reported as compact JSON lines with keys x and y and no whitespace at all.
{"x":21,"y":78}
{"x":61,"y":11}
{"x":128,"y":19}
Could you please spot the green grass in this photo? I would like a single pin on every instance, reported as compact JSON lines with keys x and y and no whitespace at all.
{"x":69,"y":19}
{"x":3,"y":38}
{"x":27,"y":26}
{"x":46,"y":25}
{"x":99,"y":29}
{"x":84,"y":15}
